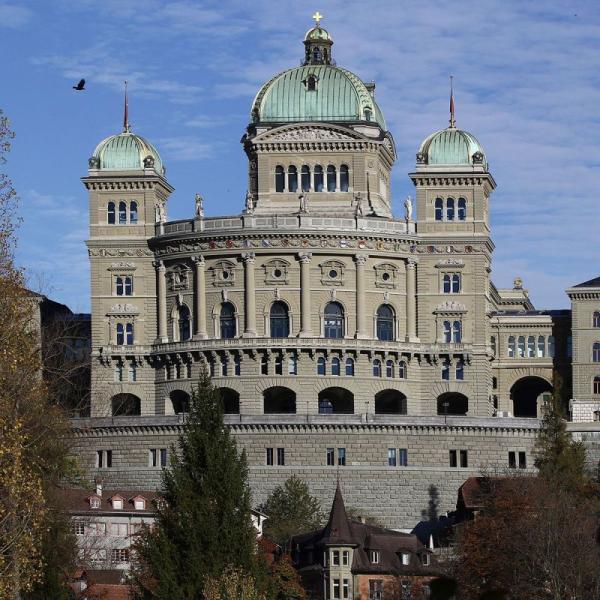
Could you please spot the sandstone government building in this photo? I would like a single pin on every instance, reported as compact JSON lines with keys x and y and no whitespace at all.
{"x":348,"y":343}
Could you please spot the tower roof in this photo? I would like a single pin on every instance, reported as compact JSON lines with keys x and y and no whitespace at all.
{"x":337,"y":531}
{"x":451,"y":146}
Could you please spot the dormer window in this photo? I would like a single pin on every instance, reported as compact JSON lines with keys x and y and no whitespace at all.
{"x":94,"y":502}
{"x":139,"y":503}
{"x":405,"y":558}
{"x":368,"y":114}
{"x":311,"y":83}
{"x":117,"y":503}
{"x":374,"y":557}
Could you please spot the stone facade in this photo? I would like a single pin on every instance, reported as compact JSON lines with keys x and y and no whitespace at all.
{"x":326,"y":322}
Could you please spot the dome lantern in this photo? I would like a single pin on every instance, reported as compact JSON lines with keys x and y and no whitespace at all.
{"x":317,"y":44}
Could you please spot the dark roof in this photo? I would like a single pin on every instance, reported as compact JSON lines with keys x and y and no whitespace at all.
{"x":76,"y":501}
{"x":337,"y":531}
{"x":473,"y":493}
{"x":591,"y":283}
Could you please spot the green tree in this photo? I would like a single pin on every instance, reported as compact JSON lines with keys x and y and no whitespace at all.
{"x":291,"y":510}
{"x":203,"y":524}
{"x":232,"y":584}
{"x":285,"y":580}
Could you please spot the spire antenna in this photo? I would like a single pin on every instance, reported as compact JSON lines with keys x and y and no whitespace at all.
{"x":126,"y":128}
{"x":452,"y":119}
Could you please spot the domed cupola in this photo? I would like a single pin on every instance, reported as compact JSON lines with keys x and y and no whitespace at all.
{"x":126,"y":151}
{"x":317,"y":43}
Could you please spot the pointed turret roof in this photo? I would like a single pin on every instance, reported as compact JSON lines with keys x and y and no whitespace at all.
{"x":337,"y":531}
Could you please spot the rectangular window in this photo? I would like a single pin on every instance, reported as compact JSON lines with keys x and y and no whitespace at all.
{"x":118,"y":529}
{"x":336,"y":588}
{"x":98,"y":556}
{"x":163,"y":457}
{"x":78,"y":528}
{"x":152,"y":458}
{"x":403,"y":457}
{"x":405,"y":559}
{"x":391,"y":457}
{"x":281,"y":456}
{"x":374,"y":556}
{"x":270,"y":457}
{"x":104,"y":459}
{"x":119,"y":555}
{"x":330,"y":457}
{"x":522,"y":460}
{"x":128,"y":286}
{"x":341,"y":457}
{"x":335,"y":558}
{"x":292,"y":366}
{"x":345,"y":558}
{"x":464,"y":463}
{"x":512,"y":460}
{"x":118,"y":378}
{"x":453,"y":459}
{"x":346,"y":588}
{"x":131,"y":373}
{"x":376,"y":589}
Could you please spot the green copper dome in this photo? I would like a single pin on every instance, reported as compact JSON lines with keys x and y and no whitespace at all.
{"x":315,"y":92}
{"x":318,"y":34}
{"x":126,"y":151}
{"x":451,"y":146}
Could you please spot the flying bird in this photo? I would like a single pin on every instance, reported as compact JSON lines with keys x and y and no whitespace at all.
{"x":80,"y":86}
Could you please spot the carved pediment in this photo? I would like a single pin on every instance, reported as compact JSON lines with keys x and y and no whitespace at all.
{"x":123,"y":309}
{"x":451,"y":306}
{"x":307,"y":134}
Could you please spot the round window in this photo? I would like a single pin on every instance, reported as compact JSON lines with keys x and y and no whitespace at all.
{"x":277,"y":273}
{"x":225,"y":275}
{"x":385,"y":277}
{"x":333,"y":274}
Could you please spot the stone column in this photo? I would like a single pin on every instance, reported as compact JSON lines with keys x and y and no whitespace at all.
{"x":161,"y":300}
{"x":411,"y":301}
{"x":361,"y":308}
{"x":249,"y":295}
{"x":200,"y":293}
{"x":305,"y":317}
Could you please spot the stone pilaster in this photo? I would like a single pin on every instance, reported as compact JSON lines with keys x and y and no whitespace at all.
{"x":361,"y":313}
{"x":200,"y":296}
{"x":411,"y":301}
{"x":249,"y":295}
{"x":305,"y":310}
{"x":161,"y":299}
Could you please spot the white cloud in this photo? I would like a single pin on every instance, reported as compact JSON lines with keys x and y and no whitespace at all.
{"x":14,"y":16}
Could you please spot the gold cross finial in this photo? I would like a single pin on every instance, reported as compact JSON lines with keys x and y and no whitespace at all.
{"x":317,"y":17}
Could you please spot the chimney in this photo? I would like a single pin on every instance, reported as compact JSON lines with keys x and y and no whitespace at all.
{"x":98,"y":482}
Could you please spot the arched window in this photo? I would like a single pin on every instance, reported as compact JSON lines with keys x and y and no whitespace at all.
{"x":596,"y":385}
{"x":320,"y":366}
{"x":185,"y":331}
{"x":119,"y":286}
{"x":402,"y":371}
{"x":305,"y":178}
{"x":512,"y":346}
{"x":376,"y":368}
{"x":120,"y":334}
{"x":331,"y":179}
{"x":460,"y":370}
{"x":551,"y":346}
{"x":439,"y":209}
{"x":279,"y":400}
{"x":180,"y":401}
{"x":457,"y":332}
{"x":344,"y":178}
{"x":350,"y":367}
{"x":462,"y":209}
{"x":455,"y":283}
{"x":317,"y":55}
{"x":389,"y":368}
{"x":390,"y":402}
{"x":110,"y":215}
{"x":280,"y":322}
{"x":311,"y":83}
{"x":368,"y":114}
{"x":133,"y":213}
{"x":447,"y":283}
{"x":521,"y":346}
{"x":450,"y":209}
{"x":334,"y":321}
{"x":531,"y":346}
{"x":335,"y":366}
{"x":385,"y":323}
{"x":494,"y":383}
{"x":125,"y":405}
{"x":596,"y":352}
{"x":292,"y":179}
{"x":318,"y":178}
{"x":596,"y":319}
{"x":279,"y":178}
{"x":122,"y":213}
{"x":452,"y":403}
{"x":128,"y":286}
{"x":541,"y":346}
{"x":230,"y":400}
{"x":227,"y":321}
{"x":129,"y":334}
{"x":447,"y":332}
{"x":336,"y":400}
{"x":445,"y":369}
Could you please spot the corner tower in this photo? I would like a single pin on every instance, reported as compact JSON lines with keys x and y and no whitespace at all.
{"x":127,"y":193}
{"x":317,"y":141}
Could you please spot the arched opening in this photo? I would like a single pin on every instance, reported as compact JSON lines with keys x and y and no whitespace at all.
{"x":331,"y":178}
{"x":450,"y":209}
{"x":280,"y":321}
{"x":122,"y":213}
{"x":227,"y":320}
{"x":125,"y":405}
{"x":185,"y":331}
{"x":334,"y":321}
{"x":336,"y":400}
{"x":462,"y":209}
{"x":279,"y":400}
{"x":596,"y":319}
{"x":305,"y":178}
{"x":390,"y":402}
{"x":311,"y":84}
{"x":133,"y":213}
{"x":439,"y":209}
{"x":385,"y":323}
{"x":292,"y":179}
{"x":230,"y":400}
{"x":111,"y":213}
{"x":526,"y":394}
{"x":452,"y":403}
{"x":279,"y":178}
{"x":344,"y":178}
{"x":318,"y":176}
{"x":180,"y":401}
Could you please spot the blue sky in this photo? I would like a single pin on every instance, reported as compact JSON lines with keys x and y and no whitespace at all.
{"x":527,"y":84}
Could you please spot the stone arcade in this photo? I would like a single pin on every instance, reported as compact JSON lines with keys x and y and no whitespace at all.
{"x":345,"y":341}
